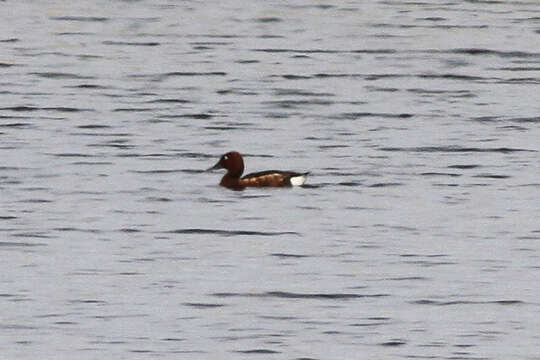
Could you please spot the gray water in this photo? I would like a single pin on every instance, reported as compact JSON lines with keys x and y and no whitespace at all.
{"x":416,"y":236}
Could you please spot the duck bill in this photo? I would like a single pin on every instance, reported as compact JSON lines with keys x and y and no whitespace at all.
{"x":215,"y":167}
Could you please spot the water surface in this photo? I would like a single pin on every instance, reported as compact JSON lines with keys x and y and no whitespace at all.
{"x":416,"y":236}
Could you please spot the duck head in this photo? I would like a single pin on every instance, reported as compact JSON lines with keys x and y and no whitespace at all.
{"x":233,"y":162}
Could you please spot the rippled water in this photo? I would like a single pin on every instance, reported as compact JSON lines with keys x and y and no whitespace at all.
{"x":416,"y":236}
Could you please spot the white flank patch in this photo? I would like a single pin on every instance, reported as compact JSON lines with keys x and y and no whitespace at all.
{"x":298,"y":180}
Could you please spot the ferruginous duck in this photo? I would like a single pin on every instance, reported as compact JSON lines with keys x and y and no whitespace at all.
{"x":233,"y":179}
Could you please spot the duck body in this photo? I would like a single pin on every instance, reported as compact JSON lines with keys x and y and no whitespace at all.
{"x":233,"y":179}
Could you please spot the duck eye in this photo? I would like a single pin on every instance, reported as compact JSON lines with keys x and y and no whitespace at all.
{"x":225,"y":157}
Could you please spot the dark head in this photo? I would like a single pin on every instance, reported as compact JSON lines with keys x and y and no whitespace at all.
{"x":233,"y":162}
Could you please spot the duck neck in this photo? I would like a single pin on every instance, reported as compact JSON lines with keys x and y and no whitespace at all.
{"x":236,"y":173}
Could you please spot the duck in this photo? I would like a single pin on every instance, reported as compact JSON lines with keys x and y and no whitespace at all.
{"x":233,"y":179}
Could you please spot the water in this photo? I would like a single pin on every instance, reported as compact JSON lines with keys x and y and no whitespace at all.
{"x":416,"y":236}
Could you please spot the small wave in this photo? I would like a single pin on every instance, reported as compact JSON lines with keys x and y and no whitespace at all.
{"x":93,"y":126}
{"x":300,"y":92}
{"x":293,"y":104}
{"x":314,"y":186}
{"x":532,"y":119}
{"x":290,"y":295}
{"x":521,"y":81}
{"x":88,"y":301}
{"x":393,"y":343}
{"x":92,"y":163}
{"x":80,"y":18}
{"x":18,"y":125}
{"x":65,"y":109}
{"x":518,"y":68}
{"x":237,"y":91}
{"x":453,"y":77}
{"x":73,"y":33}
{"x":162,"y":171}
{"x":284,"y":255}
{"x":61,"y":76}
{"x":488,"y":119}
{"x":258,"y":351}
{"x":8,"y":217}
{"x":21,"y":108}
{"x":194,"y":155}
{"x":231,"y":232}
{"x":492,"y":176}
{"x":357,"y":115}
{"x":464,"y":167}
{"x":36,"y":234}
{"x":203,"y":305}
{"x":36,"y":201}
{"x":453,"y":148}
{"x":73,"y":229}
{"x":131,"y":43}
{"x":190,"y":73}
{"x":247,"y":61}
{"x":88,"y":86}
{"x":157,"y":199}
{"x":295,"y":77}
{"x":24,"y":108}
{"x":132,"y":109}
{"x":173,"y":339}
{"x":466,"y":302}
{"x":210,"y":43}
{"x":451,"y":93}
{"x":72,"y":155}
{"x":224,"y":127}
{"x":128,"y":230}
{"x":168,"y":101}
{"x":350,"y":183}
{"x":409,"y":278}
{"x":113,"y":145}
{"x":439,"y":174}
{"x":325,"y":51}
{"x":19,"y":244}
{"x":201,"y":116}
{"x":479,"y":51}
{"x":513,"y":127}
{"x":17,"y":327}
{"x":377,"y":185}
{"x":268,"y":19}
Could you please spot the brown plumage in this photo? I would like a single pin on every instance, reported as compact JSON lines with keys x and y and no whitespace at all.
{"x":233,"y":162}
